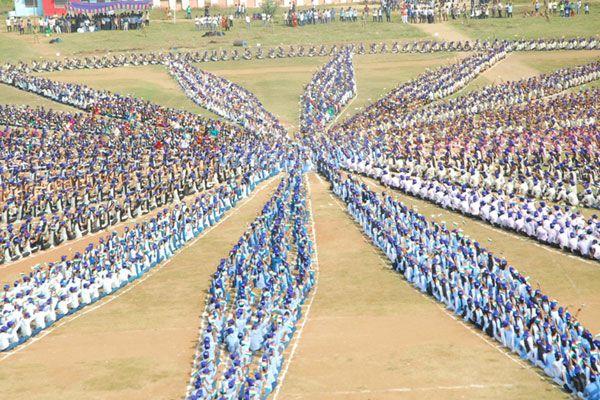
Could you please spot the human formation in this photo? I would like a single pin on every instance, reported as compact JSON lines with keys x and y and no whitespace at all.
{"x":423,"y":46}
{"x":225,"y":98}
{"x":522,"y":156}
{"x":330,"y":89}
{"x":476,"y":285}
{"x":520,"y":161}
{"x":255,"y":300}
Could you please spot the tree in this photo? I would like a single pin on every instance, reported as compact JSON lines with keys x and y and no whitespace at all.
{"x":269,"y":7}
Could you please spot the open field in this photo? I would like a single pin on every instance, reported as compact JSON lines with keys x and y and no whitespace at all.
{"x":164,"y":35}
{"x":520,"y":27}
{"x":369,"y":334}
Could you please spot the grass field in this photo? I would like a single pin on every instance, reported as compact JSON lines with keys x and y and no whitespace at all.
{"x":530,"y":27}
{"x":151,"y":83}
{"x":164,"y":35}
{"x":368,"y":334}
{"x":521,"y":27}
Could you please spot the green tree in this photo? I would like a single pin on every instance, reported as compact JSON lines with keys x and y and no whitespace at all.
{"x":269,"y":7}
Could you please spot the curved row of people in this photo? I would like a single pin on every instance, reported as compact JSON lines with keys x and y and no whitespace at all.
{"x":74,"y":175}
{"x":510,"y":93}
{"x":329,"y":90}
{"x":544,"y":149}
{"x":423,"y":46}
{"x":478,"y":286}
{"x":563,"y":227}
{"x":103,"y":102}
{"x":426,"y":88}
{"x":225,"y":98}
{"x":38,"y":299}
{"x":255,"y":300}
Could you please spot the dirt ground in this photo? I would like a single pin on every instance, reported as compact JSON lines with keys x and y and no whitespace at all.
{"x":370,"y":335}
{"x":104,"y":352}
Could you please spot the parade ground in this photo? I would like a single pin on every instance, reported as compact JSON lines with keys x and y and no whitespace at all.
{"x":365,"y":332}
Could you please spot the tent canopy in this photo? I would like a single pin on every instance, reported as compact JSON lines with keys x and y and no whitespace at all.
{"x":93,"y":8}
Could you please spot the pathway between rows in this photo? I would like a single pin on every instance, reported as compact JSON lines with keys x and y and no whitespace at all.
{"x":371,"y":335}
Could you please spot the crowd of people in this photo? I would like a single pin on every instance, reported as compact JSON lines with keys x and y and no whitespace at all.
{"x":426,"y":88}
{"x":255,"y":300}
{"x":48,"y":293}
{"x":105,"y":103}
{"x":495,"y":96}
{"x":77,"y":183}
{"x":521,"y":164}
{"x":329,"y":90}
{"x":78,"y":23}
{"x":225,"y":98}
{"x":424,"y":46}
{"x":71,"y":175}
{"x":500,"y":154}
{"x":475,"y":284}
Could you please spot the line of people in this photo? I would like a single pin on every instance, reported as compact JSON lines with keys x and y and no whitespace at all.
{"x":226,"y":99}
{"x":103,"y":102}
{"x":48,"y":293}
{"x":475,"y":284}
{"x":422,"y":46}
{"x":426,"y":88}
{"x":328,"y":91}
{"x":255,"y":300}
{"x":510,"y":93}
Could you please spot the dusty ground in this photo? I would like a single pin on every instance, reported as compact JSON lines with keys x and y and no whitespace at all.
{"x":107,"y":353}
{"x":370,"y":335}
